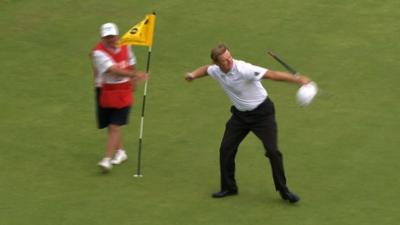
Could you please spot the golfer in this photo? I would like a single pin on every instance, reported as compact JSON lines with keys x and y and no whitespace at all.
{"x":252,"y":110}
{"x":115,"y":79}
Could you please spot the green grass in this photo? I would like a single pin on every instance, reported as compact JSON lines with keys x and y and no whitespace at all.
{"x":341,"y":153}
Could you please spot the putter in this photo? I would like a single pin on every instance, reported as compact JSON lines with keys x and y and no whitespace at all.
{"x":321,"y":92}
{"x":294,"y":72}
{"x":289,"y":68}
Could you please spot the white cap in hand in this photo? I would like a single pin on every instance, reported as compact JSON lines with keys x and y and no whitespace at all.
{"x":306,"y":93}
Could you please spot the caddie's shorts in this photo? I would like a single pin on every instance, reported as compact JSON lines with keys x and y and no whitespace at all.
{"x":107,"y":116}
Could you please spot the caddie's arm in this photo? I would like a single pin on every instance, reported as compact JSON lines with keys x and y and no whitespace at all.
{"x":197,"y":73}
{"x":114,"y":69}
{"x":283,"y":76}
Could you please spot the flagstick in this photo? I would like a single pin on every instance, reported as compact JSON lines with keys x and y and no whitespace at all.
{"x":138,"y":171}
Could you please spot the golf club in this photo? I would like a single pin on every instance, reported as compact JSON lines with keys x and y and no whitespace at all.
{"x":307,"y":92}
{"x":290,"y":69}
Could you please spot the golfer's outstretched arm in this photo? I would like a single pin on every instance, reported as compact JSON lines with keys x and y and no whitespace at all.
{"x":283,"y":76}
{"x":197,"y":73}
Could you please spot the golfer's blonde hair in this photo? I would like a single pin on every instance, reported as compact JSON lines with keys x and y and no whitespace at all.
{"x":217,"y":51}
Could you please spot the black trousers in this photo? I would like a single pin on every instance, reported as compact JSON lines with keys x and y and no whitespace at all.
{"x":260,"y":121}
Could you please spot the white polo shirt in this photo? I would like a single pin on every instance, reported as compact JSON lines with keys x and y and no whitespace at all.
{"x":242,"y":84}
{"x":101,"y":63}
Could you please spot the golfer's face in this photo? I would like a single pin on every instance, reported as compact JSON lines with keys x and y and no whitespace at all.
{"x":225,"y":61}
{"x":111,"y":41}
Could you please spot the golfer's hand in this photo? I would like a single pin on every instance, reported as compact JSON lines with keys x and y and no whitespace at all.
{"x":189,"y":77}
{"x":302,"y":80}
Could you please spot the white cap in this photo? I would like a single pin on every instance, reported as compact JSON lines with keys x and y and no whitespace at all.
{"x":306,"y":93}
{"x":108,"y":29}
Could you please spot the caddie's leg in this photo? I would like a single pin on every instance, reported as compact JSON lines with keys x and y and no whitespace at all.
{"x":114,"y":139}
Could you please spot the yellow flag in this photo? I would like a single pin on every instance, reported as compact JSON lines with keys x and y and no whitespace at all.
{"x":141,"y":33}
